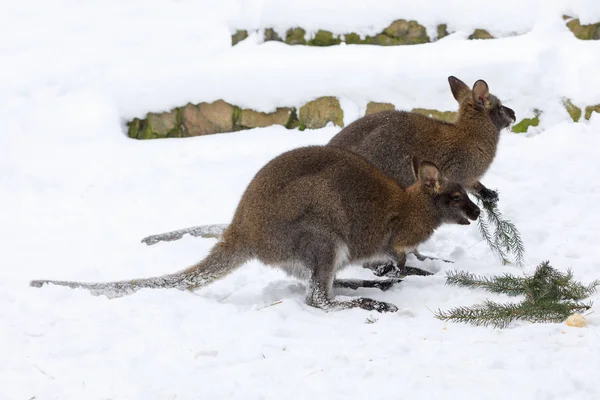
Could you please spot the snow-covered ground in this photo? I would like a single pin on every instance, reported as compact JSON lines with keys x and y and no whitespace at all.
{"x":77,"y":196}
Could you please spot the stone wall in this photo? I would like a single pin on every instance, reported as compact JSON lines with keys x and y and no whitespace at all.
{"x":400,"y":32}
{"x":220,"y":117}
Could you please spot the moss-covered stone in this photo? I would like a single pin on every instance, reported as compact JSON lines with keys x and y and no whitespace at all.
{"x":442,"y":31}
{"x":448,"y":116}
{"x":481,"y":34}
{"x":295,"y":36}
{"x":238,"y":36}
{"x":583,"y":32}
{"x":156,"y":125}
{"x":271,"y":35}
{"x":162,"y":123}
{"x":525,"y":123}
{"x":292,"y":122}
{"x":591,"y":109}
{"x":572,"y":109}
{"x":254,"y":119}
{"x":324,"y":38}
{"x":374,"y":107}
{"x":317,"y":113}
{"x":352,"y":38}
{"x":207,"y":118}
{"x":138,"y":129}
{"x":381,"y":40}
{"x":407,"y":32}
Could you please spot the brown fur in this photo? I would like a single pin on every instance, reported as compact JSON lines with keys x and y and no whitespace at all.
{"x":312,"y":211}
{"x":463,"y":150}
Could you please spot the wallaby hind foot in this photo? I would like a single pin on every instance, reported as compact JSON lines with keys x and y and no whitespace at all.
{"x":316,"y":298}
{"x":382,"y":284}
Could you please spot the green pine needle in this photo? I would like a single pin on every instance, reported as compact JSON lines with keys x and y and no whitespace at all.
{"x":500,"y":315}
{"x":505,"y":239}
{"x":549,"y":296}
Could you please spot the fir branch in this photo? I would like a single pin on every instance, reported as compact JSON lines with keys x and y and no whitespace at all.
{"x":506,"y":238}
{"x":506,"y":284}
{"x":549,"y":296}
{"x":499,"y":315}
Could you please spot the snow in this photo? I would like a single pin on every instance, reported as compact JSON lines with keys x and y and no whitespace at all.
{"x":77,"y":197}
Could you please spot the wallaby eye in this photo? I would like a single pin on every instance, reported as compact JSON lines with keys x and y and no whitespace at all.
{"x":456,"y":197}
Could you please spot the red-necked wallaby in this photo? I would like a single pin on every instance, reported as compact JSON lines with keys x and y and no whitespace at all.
{"x":312,"y":211}
{"x":463,"y":150}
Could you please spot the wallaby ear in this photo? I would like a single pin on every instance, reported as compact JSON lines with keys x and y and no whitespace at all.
{"x":458,"y":87}
{"x":415,"y":164}
{"x":481,"y":93}
{"x":429,"y":175}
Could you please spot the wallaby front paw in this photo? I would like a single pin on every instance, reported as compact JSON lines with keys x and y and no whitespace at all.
{"x":489,"y":195}
{"x":375,"y":305}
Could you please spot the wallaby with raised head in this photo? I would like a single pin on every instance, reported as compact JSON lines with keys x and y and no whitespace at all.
{"x":463,"y":149}
{"x":312,"y":211}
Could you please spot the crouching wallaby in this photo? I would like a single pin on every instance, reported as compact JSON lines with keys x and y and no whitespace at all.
{"x":463,"y":150}
{"x":312,"y":211}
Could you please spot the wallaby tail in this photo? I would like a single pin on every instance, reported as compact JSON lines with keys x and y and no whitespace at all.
{"x":220,"y":262}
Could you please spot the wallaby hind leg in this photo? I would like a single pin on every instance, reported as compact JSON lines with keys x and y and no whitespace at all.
{"x":382,"y":284}
{"x":320,"y":292}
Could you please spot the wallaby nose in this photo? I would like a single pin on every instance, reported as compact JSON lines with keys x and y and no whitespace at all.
{"x":510,"y":113}
{"x":476,"y":213}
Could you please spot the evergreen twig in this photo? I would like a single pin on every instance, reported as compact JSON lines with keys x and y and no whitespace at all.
{"x":505,"y":238}
{"x":549,"y":296}
{"x":500,"y":315}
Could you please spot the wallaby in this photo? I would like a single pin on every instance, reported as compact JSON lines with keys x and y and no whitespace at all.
{"x":312,"y":211}
{"x":463,"y":150}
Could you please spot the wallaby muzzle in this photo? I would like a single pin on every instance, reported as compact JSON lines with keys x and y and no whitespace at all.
{"x":472,"y":212}
{"x":510,"y":113}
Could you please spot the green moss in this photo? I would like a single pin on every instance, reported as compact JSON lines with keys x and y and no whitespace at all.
{"x":583,"y":32}
{"x":235,"y":119}
{"x":293,"y":122}
{"x":238,"y":36}
{"x":177,"y":131}
{"x":324,"y":38}
{"x":442,"y":31}
{"x":572,"y":109}
{"x":381,"y":40}
{"x":591,"y":109}
{"x":481,"y":34}
{"x":133,"y":128}
{"x":271,"y":35}
{"x":140,"y":129}
{"x":524,"y":124}
{"x":295,"y":36}
{"x":352,"y":38}
{"x":157,"y":125}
